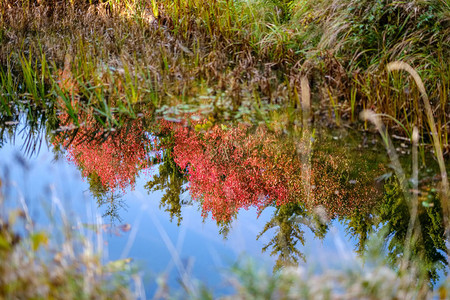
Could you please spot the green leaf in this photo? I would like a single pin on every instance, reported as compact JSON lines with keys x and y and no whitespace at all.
{"x":37,"y":239}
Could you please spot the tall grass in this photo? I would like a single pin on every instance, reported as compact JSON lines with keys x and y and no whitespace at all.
{"x":246,"y":49}
{"x":437,"y":142}
{"x":57,"y":263}
{"x":8,"y":91}
{"x":411,"y":195}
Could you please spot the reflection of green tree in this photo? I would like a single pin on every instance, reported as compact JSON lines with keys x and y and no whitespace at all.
{"x":392,"y":214}
{"x":429,"y":247}
{"x":288,"y":220}
{"x":170,"y":179}
{"x":359,"y":225}
{"x":105,"y":197}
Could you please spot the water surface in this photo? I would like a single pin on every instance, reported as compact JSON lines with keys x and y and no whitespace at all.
{"x":189,"y":200}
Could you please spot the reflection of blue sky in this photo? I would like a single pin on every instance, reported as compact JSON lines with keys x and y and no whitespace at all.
{"x":154,"y":242}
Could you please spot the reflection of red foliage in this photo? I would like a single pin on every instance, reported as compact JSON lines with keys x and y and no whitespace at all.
{"x":228,"y":170}
{"x":233,"y":168}
{"x":116,"y":160}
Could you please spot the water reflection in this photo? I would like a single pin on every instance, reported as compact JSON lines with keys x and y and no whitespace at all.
{"x":224,"y":168}
{"x":227,"y":168}
{"x":170,"y":179}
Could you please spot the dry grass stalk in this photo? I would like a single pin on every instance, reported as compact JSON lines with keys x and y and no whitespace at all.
{"x":411,"y":198}
{"x":306,"y":141}
{"x":402,"y":66}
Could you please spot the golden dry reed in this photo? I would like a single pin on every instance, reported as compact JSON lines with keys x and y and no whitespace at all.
{"x":402,"y":66}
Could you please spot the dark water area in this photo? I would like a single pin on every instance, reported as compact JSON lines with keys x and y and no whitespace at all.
{"x":187,"y":200}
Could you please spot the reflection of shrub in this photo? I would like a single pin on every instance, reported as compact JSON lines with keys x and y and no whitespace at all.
{"x":339,"y":191}
{"x":114,"y":158}
{"x":238,"y":167}
{"x":229,"y":169}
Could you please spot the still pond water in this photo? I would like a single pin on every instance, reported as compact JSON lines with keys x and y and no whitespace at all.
{"x":195,"y":198}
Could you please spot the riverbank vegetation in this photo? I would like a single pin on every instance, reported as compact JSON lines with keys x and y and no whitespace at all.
{"x":120,"y":56}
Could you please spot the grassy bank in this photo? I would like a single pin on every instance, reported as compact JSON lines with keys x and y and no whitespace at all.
{"x":138,"y":55}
